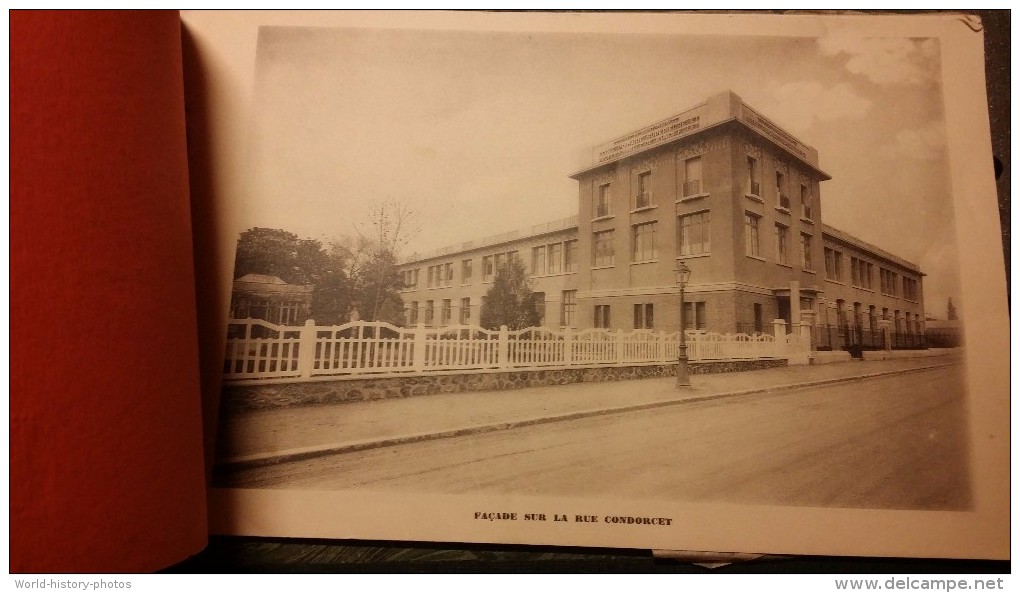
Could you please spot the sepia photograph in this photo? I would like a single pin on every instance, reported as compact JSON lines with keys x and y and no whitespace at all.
{"x":547,"y":269}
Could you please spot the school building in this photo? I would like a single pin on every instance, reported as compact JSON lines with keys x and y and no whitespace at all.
{"x":718,"y":186}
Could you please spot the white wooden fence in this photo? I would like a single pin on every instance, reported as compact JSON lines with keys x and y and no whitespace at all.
{"x":257,"y":349}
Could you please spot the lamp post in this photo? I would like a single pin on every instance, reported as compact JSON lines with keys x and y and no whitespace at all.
{"x":683,"y":378}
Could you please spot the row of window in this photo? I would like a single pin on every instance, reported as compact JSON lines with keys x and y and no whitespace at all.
{"x":554,"y":258}
{"x":692,"y":186}
{"x":644,"y":316}
{"x":782,"y":197}
{"x":861,"y":273}
{"x":568,"y":310}
{"x":752,"y":241}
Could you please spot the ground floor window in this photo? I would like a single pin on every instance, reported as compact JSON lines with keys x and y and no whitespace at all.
{"x":694,"y":315}
{"x":465,"y":310}
{"x":601,"y":317}
{"x":643,"y":318}
{"x":568,"y":308}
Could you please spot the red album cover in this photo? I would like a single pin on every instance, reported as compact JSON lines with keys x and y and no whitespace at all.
{"x":106,"y":462}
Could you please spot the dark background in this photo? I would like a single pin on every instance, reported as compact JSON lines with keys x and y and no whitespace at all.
{"x":270,"y":555}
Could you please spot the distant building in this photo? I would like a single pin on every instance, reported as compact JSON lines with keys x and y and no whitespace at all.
{"x":718,"y":186}
{"x":269,"y":298}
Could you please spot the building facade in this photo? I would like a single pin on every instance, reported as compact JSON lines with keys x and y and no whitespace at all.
{"x":718,"y":186}
{"x":259,"y":296}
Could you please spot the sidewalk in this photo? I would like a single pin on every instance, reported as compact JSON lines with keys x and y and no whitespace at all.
{"x":287,"y":434}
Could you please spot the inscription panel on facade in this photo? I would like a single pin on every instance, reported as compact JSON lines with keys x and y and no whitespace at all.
{"x":669,"y":129}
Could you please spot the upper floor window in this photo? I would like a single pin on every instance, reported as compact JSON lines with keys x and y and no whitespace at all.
{"x":488,"y":268}
{"x":694,"y":234}
{"x":860,"y":273}
{"x":644,"y":190}
{"x":570,"y":256}
{"x":692,"y":176}
{"x":805,"y":251}
{"x":555,"y":258}
{"x":448,"y":273}
{"x":465,"y":271}
{"x":888,"y":281}
{"x":833,"y":265}
{"x":782,"y":243}
{"x":751,"y":244}
{"x":805,"y":202}
{"x":782,"y":200}
{"x":643,"y":243}
{"x":910,"y":289}
{"x":603,"y":250}
{"x":753,"y":178}
{"x":538,"y":261}
{"x":602,"y":198}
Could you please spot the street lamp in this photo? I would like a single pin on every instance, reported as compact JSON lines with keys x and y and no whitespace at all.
{"x":683,"y":378}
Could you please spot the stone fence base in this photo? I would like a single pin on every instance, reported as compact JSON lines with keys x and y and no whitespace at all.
{"x":332,"y":391}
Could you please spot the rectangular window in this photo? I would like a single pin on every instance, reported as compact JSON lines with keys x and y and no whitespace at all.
{"x":431,"y":276}
{"x":643,"y":316}
{"x":866,"y":275}
{"x":465,"y":271}
{"x":448,"y":274}
{"x":805,"y":251}
{"x":499,"y":259}
{"x":783,"y":200}
{"x":694,"y":315}
{"x":601,"y":317}
{"x":555,"y":258}
{"x":446,"y":312}
{"x":643,"y":244}
{"x":759,"y":319}
{"x":602,"y":198}
{"x":805,"y":202}
{"x":465,"y":310}
{"x":538,"y":261}
{"x":782,"y":241}
{"x":888,"y":281}
{"x":694,"y":234}
{"x":570,"y":256}
{"x":412,"y":313}
{"x":603,"y":251}
{"x":753,"y":181}
{"x":692,"y":176}
{"x":568,"y":308}
{"x":488,"y":268}
{"x":910,"y":289}
{"x":538,"y":298}
{"x":644,"y":190}
{"x":834,"y":265}
{"x":751,"y":246}
{"x":429,"y":312}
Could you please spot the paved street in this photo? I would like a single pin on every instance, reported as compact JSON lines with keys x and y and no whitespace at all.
{"x":897,"y":441}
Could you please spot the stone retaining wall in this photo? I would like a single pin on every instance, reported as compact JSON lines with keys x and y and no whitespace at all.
{"x":252,"y":397}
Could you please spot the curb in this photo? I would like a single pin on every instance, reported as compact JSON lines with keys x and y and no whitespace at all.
{"x":289,"y":455}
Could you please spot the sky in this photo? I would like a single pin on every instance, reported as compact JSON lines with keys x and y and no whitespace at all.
{"x":476,"y":133}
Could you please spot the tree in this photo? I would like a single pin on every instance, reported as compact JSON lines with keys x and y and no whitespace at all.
{"x":951,"y":310}
{"x":333,"y":294}
{"x":280,"y":253}
{"x":374,"y":259}
{"x":509,"y":300}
